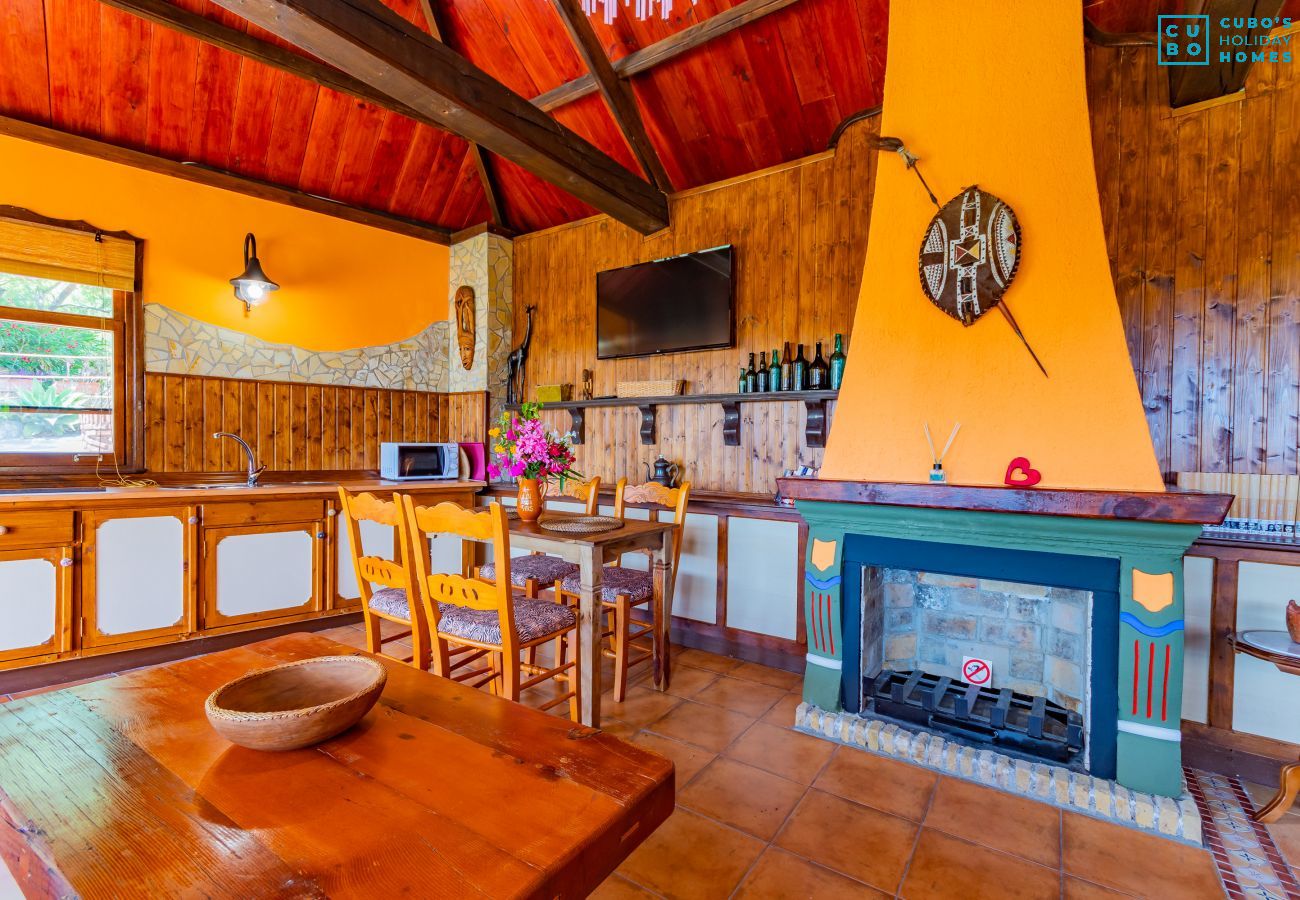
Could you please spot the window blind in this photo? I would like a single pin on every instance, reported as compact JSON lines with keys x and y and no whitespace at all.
{"x":66,"y":254}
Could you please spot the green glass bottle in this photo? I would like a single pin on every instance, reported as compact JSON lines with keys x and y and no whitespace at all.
{"x":760,"y":380}
{"x":799,"y":377}
{"x":750,"y":376}
{"x":774,"y":372}
{"x":837,"y":363}
{"x":744,"y":383}
{"x":787,"y":370}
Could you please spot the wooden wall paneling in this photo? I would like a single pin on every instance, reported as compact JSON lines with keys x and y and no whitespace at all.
{"x":1158,"y":277}
{"x":293,"y":427}
{"x":1250,"y":353}
{"x":1214,"y":451}
{"x":1130,"y":246}
{"x":1283,"y":426}
{"x":1189,"y":293}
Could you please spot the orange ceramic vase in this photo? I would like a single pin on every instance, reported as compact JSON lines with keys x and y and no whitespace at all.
{"x":530,"y":499}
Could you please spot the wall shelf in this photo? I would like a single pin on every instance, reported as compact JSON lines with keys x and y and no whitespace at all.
{"x":814,"y":401}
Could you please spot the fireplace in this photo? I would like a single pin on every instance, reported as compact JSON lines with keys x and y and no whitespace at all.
{"x":1046,"y":623}
{"x":1075,"y":597}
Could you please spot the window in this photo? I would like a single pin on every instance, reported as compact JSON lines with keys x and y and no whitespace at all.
{"x":70,"y":381}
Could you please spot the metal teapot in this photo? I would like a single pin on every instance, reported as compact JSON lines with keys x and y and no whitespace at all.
{"x":666,"y":473}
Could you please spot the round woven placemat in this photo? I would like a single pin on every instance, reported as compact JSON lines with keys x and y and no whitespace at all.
{"x":580,"y":524}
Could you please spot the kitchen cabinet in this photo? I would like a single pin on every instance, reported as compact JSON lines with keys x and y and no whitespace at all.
{"x":263,"y":561}
{"x":137,"y":584}
{"x":35,"y":603}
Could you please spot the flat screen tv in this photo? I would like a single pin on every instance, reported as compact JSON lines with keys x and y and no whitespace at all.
{"x":666,"y":306}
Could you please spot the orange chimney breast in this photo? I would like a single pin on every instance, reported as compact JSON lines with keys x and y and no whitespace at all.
{"x":991,"y":94}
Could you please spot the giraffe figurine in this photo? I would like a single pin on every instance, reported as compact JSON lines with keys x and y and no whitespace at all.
{"x":516,"y":363}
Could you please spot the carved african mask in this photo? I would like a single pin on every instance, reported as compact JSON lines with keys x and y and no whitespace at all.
{"x":465,"y":324}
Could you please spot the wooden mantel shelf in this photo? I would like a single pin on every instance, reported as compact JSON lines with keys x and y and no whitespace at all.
{"x":814,"y":401}
{"x":1172,"y":506}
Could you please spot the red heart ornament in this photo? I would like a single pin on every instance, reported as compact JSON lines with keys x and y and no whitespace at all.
{"x":1021,"y":474}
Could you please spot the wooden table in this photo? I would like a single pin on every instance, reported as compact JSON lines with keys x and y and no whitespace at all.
{"x":591,"y":552}
{"x":120,"y":788}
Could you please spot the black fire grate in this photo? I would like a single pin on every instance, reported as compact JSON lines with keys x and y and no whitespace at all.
{"x":1034,"y":726}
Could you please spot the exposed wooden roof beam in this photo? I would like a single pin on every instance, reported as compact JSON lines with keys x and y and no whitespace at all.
{"x":1195,"y":84}
{"x":218,"y":178}
{"x":486,"y":176}
{"x":661,"y":51}
{"x":616,"y":91}
{"x":367,"y":40}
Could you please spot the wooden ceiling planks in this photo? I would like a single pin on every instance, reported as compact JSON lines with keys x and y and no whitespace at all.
{"x":768,"y":92}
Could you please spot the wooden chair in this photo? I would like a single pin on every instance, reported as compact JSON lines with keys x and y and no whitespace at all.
{"x":470,"y":614}
{"x":624,"y":589}
{"x":537,"y":571}
{"x":392,"y":602}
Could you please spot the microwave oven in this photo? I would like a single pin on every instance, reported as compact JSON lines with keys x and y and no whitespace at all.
{"x":407,"y":462}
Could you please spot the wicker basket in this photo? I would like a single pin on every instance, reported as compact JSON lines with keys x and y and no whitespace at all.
{"x":665,"y":388}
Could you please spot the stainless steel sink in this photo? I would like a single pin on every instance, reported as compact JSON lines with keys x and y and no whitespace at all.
{"x":52,"y":490}
{"x":228,"y":486}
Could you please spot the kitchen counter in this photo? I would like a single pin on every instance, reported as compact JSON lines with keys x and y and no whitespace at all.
{"x":166,"y":493}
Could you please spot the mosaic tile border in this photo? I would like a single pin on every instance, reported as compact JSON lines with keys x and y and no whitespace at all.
{"x":179,"y":344}
{"x":1249,"y":863}
{"x":1176,"y":819}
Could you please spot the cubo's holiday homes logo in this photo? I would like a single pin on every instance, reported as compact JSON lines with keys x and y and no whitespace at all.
{"x":1196,"y":41}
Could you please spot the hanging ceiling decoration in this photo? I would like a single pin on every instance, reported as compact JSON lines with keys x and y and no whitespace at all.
{"x":642,"y":9}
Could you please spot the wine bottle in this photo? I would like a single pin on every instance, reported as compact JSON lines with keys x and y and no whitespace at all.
{"x":819,"y":374}
{"x":799,"y":377}
{"x":774,"y":372}
{"x":787,"y":370}
{"x":760,"y":379}
{"x":837,"y":363}
{"x":751,"y":376}
{"x":743,"y":385}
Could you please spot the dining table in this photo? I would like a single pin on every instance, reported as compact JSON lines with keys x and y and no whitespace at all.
{"x":591,"y":553}
{"x":121,"y":788}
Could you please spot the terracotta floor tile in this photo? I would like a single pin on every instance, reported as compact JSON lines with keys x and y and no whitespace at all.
{"x":784,"y":876}
{"x":782,"y":712}
{"x":698,"y":723}
{"x":1144,"y":864}
{"x":886,"y":784}
{"x":642,"y":706}
{"x":858,"y":841}
{"x":1078,"y":889}
{"x":618,"y":729}
{"x":1286,"y":834}
{"x":782,"y":751}
{"x":687,"y":681}
{"x":946,"y":867}
{"x":749,"y":799}
{"x":687,"y":758}
{"x":748,"y":697}
{"x":616,"y":887}
{"x":786,"y":681}
{"x":690,"y":856}
{"x":997,"y":819}
{"x":701,"y":659}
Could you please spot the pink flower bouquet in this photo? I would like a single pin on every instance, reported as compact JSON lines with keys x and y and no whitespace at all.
{"x":522,"y":447}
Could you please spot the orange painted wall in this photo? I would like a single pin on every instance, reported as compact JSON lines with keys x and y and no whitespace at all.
{"x":991,"y":94}
{"x":343,"y":285}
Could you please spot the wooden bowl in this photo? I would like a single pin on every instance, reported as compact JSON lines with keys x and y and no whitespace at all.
{"x":298,"y":704}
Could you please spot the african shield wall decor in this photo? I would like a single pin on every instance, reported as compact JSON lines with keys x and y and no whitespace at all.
{"x":969,"y":254}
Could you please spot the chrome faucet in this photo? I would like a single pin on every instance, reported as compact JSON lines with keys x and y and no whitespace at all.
{"x":254,"y":470}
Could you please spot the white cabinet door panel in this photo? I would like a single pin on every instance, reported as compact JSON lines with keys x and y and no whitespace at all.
{"x":264,"y":572}
{"x":763,"y":576}
{"x":139,"y":574}
{"x":29,"y":598}
{"x":695,"y":593}
{"x":376,"y":540}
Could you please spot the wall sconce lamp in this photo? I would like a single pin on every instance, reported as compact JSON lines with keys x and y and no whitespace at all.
{"x":252,"y":287}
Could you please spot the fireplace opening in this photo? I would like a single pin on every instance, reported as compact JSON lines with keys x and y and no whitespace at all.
{"x":1018,"y":724}
{"x":1046,"y":624}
